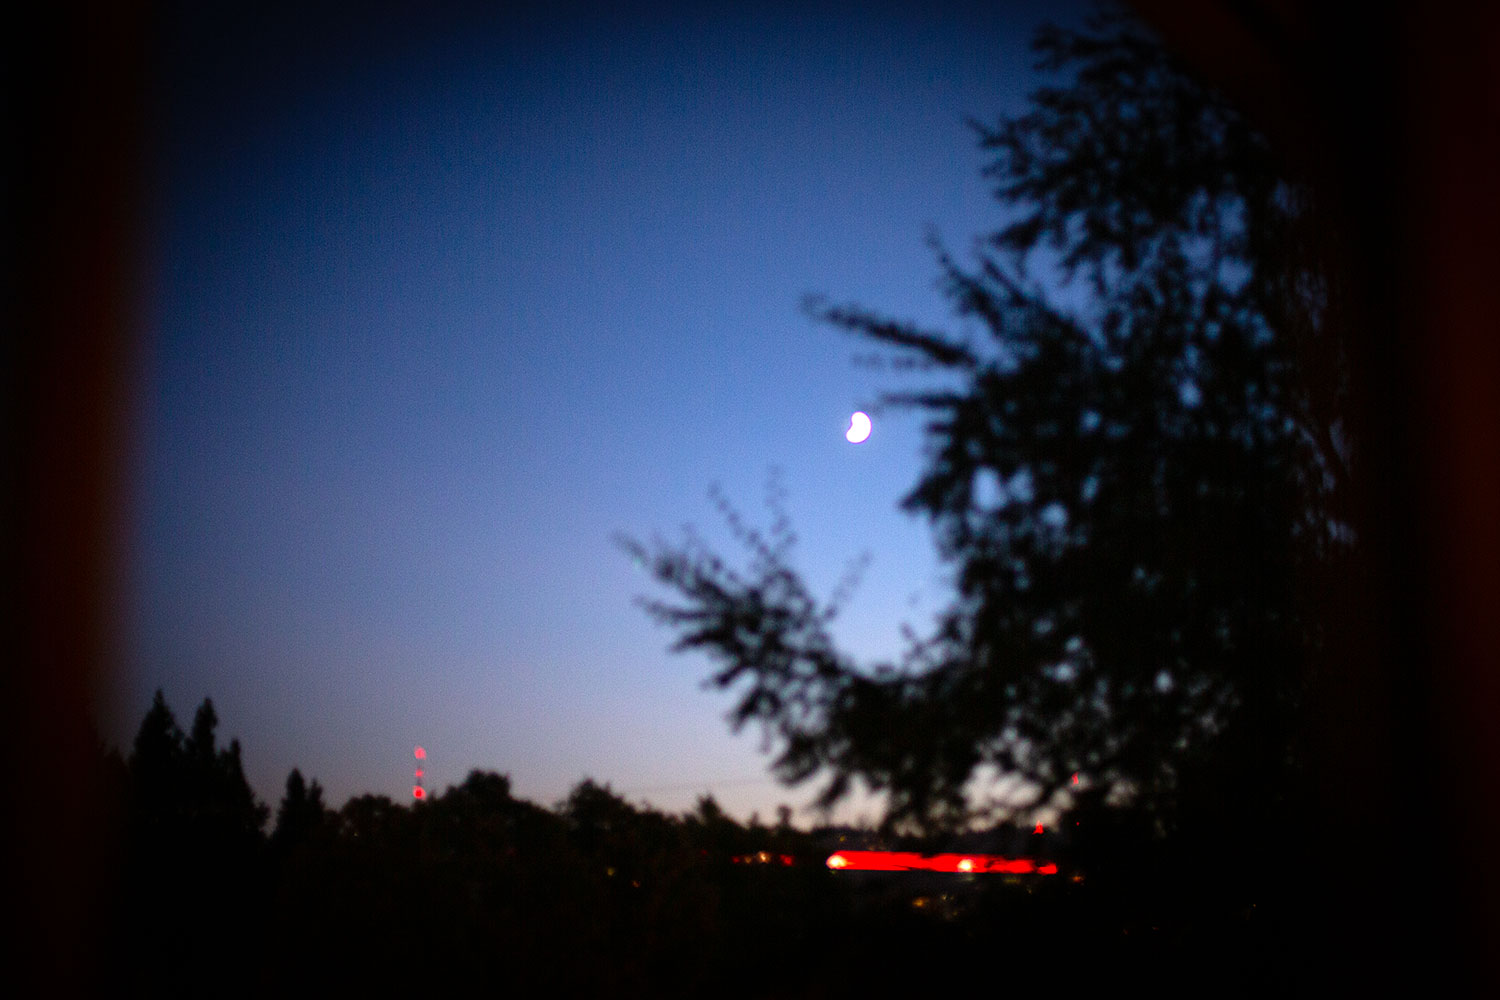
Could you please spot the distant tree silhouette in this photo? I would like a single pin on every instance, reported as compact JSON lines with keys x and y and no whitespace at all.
{"x":194,"y":865}
{"x":715,"y":831}
{"x":592,"y":811}
{"x":597,"y":896}
{"x":156,"y":766}
{"x":201,"y":741}
{"x":374,"y":819}
{"x":301,"y":812}
{"x":188,"y":786}
{"x":217,"y":796}
{"x":1138,"y":477}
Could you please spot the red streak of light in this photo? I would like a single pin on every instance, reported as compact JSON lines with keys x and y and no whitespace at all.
{"x":911,"y":861}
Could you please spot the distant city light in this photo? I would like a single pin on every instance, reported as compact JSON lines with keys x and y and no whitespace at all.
{"x":763,"y":858}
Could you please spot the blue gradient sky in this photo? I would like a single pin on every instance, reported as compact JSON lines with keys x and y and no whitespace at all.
{"x":437,"y":305}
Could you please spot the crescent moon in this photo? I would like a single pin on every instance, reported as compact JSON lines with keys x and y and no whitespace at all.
{"x":859,"y":428}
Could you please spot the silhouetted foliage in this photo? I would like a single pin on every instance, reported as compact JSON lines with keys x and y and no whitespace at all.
{"x":600,"y":896}
{"x":1137,"y":475}
{"x":301,"y":813}
{"x":194,"y":849}
{"x":156,"y":764}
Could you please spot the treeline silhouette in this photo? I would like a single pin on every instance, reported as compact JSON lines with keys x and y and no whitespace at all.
{"x":596,"y":895}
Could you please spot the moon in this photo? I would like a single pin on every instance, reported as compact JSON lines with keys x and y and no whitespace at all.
{"x":859,"y":427}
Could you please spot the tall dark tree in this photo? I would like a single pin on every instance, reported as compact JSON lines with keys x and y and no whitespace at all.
{"x":156,"y":762}
{"x":1138,"y":476}
{"x":214,"y":789}
{"x":188,"y":781}
{"x":201,"y":741}
{"x":301,"y":812}
{"x":193,"y":866}
{"x":200,"y":783}
{"x":246,"y":814}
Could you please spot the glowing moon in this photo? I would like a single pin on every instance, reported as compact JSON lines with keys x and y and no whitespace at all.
{"x":859,"y":428}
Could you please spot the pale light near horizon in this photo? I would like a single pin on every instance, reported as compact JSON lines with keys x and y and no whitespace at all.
{"x":859,"y":427}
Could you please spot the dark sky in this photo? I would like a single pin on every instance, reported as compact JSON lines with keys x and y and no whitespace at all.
{"x":437,"y":304}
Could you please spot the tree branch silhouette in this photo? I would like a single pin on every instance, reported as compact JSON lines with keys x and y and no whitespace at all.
{"x":1136,"y":478}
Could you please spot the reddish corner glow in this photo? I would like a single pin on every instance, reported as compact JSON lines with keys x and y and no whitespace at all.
{"x":911,"y":861}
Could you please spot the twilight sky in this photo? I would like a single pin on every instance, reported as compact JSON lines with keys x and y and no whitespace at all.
{"x":436,"y":305}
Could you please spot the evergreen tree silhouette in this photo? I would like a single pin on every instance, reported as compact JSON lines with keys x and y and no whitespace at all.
{"x":156,"y":766}
{"x":301,"y":812}
{"x":1137,"y":473}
